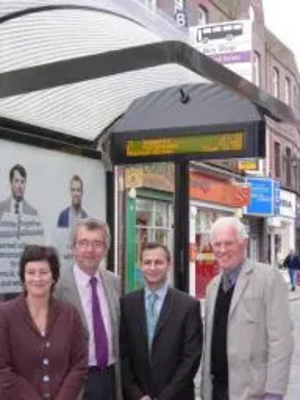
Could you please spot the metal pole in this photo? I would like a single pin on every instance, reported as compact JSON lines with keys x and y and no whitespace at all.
{"x":181,"y":226}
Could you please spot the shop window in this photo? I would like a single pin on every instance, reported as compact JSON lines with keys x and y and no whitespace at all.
{"x":154,"y":223}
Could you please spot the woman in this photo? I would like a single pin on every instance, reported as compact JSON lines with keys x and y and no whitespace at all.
{"x":43,"y":345}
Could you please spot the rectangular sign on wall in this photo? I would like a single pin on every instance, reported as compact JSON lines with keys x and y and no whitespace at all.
{"x":229,"y":43}
{"x":42,"y":194}
{"x":264,"y":197}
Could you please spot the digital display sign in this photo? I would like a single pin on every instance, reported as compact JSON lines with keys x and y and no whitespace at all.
{"x":203,"y":143}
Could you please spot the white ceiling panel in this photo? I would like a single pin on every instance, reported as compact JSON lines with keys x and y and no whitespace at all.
{"x":35,"y":32}
{"x":86,"y":109}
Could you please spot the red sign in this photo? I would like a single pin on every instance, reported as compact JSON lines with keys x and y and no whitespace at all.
{"x":218,"y":191}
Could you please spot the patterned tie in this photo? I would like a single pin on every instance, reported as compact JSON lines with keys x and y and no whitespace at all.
{"x":100,"y":337}
{"x":17,"y":207}
{"x":152,"y":316}
{"x":226,"y":282}
{"x":18,"y":216}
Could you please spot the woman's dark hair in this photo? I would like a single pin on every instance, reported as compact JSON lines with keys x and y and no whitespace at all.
{"x":40,"y":253}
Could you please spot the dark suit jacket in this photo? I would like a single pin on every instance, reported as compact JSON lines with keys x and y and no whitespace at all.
{"x":23,"y":351}
{"x":168,"y":372}
{"x":64,"y":217}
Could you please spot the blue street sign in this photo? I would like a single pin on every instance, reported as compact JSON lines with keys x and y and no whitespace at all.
{"x":264,"y":197}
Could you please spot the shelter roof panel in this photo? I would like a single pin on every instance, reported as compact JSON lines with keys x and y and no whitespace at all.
{"x":75,"y":66}
{"x":45,"y":37}
{"x":85,"y":109}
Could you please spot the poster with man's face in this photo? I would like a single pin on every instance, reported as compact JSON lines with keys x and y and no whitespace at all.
{"x":42,"y":195}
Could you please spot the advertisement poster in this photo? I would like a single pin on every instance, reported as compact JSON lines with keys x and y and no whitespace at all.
{"x":42,"y":194}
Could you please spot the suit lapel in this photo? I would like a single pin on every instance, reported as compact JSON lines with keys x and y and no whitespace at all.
{"x":240,"y":286}
{"x":54,"y":311}
{"x":212,"y":300}
{"x":110,"y":304}
{"x":107,"y":294}
{"x":164,"y":313}
{"x":72,"y":295}
{"x":142,"y":318}
{"x":27,"y":316}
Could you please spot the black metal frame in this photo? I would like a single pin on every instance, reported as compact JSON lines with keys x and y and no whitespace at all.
{"x":102,"y":65}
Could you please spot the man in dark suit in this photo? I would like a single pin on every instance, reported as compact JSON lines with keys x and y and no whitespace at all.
{"x":161,"y":335}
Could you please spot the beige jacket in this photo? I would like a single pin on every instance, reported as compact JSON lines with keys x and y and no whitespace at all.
{"x":259,"y":341}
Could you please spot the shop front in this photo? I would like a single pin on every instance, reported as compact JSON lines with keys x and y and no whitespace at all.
{"x":210,"y":198}
{"x":149,"y":211}
{"x":283,"y":226}
{"x":287,"y":221}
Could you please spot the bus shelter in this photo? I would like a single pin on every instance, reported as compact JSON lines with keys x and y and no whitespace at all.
{"x":89,"y":79}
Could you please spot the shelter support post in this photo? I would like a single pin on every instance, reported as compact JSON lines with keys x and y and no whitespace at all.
{"x":110,"y":216}
{"x":181,"y":226}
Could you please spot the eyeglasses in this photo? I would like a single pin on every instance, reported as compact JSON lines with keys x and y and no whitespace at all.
{"x":85,"y":244}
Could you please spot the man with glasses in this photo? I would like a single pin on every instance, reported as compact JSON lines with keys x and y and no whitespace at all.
{"x":95,"y":292}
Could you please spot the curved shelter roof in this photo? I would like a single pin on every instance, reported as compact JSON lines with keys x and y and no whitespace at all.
{"x":75,"y":66}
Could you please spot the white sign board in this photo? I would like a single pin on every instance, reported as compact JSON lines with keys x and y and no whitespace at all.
{"x":287,"y":204}
{"x":229,"y":43}
{"x":42,"y":194}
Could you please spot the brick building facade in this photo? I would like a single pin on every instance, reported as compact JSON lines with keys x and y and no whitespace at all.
{"x":274,"y":70}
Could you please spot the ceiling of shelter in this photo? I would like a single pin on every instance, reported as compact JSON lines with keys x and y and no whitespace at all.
{"x":108,"y":71}
{"x":39,"y":32}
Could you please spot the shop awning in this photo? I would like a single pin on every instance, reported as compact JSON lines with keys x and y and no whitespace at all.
{"x":75,"y":67}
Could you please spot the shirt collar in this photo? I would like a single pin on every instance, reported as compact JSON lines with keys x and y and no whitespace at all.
{"x":161,"y":292}
{"x":82,"y":278}
{"x":234,"y":274}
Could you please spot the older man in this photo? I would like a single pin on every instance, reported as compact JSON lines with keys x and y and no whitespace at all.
{"x":248,"y":340}
{"x":95,"y":293}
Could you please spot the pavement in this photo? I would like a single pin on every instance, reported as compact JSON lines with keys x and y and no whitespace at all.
{"x":295,"y":296}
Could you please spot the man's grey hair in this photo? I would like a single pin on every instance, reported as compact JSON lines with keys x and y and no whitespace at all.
{"x":233,"y":222}
{"x":93,"y":224}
